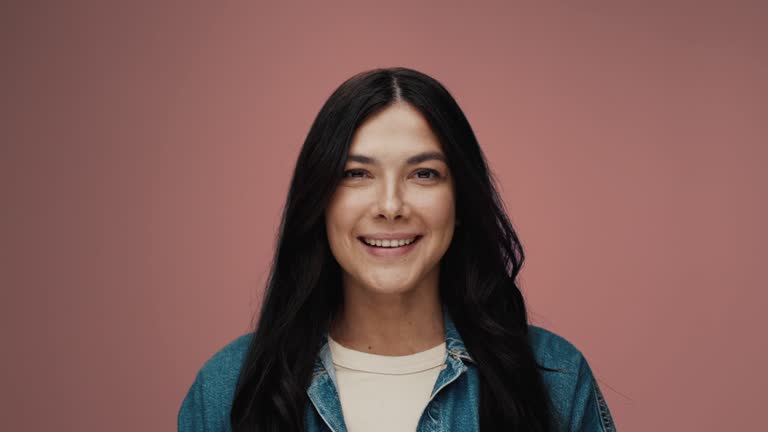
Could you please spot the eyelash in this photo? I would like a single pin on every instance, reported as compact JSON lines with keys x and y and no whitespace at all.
{"x":427,"y":170}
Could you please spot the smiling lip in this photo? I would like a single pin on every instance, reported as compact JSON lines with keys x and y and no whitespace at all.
{"x":390,"y":236}
{"x":387,"y":252}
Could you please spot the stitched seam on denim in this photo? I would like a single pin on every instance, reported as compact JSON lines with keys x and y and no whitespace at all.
{"x":602,"y":408}
{"x":325,"y":420}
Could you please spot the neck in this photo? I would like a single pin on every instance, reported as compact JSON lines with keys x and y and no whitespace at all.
{"x":390,"y":324}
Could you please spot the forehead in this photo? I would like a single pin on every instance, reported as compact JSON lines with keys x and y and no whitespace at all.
{"x":399,"y":128}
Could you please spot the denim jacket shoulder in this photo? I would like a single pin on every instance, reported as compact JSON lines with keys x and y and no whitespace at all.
{"x":208,"y":402}
{"x":577,"y":402}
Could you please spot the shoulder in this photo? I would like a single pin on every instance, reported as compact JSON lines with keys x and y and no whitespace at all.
{"x":208,"y":401}
{"x":575,"y":395}
{"x":554,"y":351}
{"x":224,"y":366}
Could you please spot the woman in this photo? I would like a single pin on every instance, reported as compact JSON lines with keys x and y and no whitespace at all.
{"x":391,"y":303}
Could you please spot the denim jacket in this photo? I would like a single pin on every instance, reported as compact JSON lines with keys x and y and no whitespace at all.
{"x":578,"y":404}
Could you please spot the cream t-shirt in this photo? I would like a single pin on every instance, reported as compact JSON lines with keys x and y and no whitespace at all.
{"x":384,"y":393}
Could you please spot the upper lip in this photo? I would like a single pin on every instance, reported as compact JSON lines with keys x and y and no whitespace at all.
{"x":389,"y":236}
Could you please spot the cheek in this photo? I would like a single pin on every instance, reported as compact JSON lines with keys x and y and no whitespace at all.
{"x":340,"y":220}
{"x":439,"y":210}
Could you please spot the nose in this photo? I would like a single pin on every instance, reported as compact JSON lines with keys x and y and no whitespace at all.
{"x":391,"y":204}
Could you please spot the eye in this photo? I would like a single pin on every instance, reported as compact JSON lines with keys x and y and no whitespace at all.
{"x":425,"y":173}
{"x":354,"y":173}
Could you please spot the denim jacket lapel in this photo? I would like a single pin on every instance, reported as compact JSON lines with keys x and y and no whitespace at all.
{"x":322,"y":390}
{"x":456,"y":354}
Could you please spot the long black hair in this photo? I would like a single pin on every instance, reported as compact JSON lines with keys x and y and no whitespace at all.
{"x":477,"y":272}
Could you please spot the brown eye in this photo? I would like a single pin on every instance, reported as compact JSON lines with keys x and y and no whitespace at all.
{"x":425,"y":174}
{"x":354,"y":173}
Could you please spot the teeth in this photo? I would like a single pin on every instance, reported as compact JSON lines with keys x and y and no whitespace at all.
{"x":389,"y":243}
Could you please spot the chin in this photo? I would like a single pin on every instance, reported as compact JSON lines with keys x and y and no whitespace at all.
{"x":384,"y":287}
{"x":391,"y":290}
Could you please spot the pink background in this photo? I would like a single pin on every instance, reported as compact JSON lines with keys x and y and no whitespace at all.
{"x":147,"y":148}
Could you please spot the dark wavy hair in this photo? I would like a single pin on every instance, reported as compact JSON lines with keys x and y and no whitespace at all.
{"x":477,"y":272}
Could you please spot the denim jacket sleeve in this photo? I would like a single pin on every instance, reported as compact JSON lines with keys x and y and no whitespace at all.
{"x":590,"y":411}
{"x":191,"y":416}
{"x":578,"y":405}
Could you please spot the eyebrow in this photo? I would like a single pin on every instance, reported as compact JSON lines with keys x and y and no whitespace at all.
{"x":413,"y":160}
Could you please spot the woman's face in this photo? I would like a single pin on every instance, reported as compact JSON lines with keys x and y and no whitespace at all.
{"x":396,"y":192}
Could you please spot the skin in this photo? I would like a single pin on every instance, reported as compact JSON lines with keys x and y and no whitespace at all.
{"x":392,"y":304}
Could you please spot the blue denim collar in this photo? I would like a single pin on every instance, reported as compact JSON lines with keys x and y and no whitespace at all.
{"x":323,"y":393}
{"x":454,"y":344}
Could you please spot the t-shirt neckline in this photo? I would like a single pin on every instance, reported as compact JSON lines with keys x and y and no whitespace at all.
{"x":381,"y":364}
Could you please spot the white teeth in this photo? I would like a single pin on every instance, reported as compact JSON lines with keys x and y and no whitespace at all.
{"x":389,"y":243}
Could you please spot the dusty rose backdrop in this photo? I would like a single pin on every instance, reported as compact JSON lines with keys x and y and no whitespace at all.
{"x":146,"y":149}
